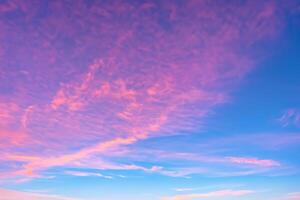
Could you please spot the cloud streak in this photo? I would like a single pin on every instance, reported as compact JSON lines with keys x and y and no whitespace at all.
{"x":294,"y":196}
{"x":219,"y":193}
{"x":13,"y":195}
{"x":254,"y":161}
{"x":87,"y":174}
{"x":290,"y":117}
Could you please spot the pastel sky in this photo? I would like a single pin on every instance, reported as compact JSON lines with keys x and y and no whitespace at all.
{"x":150,"y":100}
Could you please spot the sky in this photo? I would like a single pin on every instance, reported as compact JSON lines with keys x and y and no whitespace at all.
{"x":150,"y":100}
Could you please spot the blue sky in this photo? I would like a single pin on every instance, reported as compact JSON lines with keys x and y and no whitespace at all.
{"x":149,"y":100}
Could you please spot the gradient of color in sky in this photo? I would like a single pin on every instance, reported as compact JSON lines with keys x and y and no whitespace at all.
{"x":150,"y":100}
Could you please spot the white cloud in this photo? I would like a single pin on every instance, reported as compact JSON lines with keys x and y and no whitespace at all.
{"x":79,"y":173}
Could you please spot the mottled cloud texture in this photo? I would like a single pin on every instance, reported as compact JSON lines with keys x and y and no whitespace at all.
{"x":81,"y":79}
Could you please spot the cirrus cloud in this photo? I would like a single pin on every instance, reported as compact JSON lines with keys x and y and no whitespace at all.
{"x":88,"y":78}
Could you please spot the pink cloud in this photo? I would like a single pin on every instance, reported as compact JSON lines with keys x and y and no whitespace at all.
{"x":35,"y":164}
{"x":95,"y":85}
{"x":8,"y":111}
{"x":13,"y":195}
{"x":11,"y":138}
{"x":219,"y":193}
{"x":211,"y":165}
{"x":199,"y":157}
{"x":293,"y":196}
{"x":253,"y":161}
{"x":73,"y":95}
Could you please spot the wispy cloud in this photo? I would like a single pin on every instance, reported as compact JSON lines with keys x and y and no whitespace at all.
{"x":212,"y":165}
{"x":184,"y":189}
{"x":254,"y":161}
{"x":86,"y":174}
{"x":208,"y":187}
{"x":14,"y":194}
{"x":290,"y":117}
{"x":220,"y":193}
{"x":293,"y":196}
